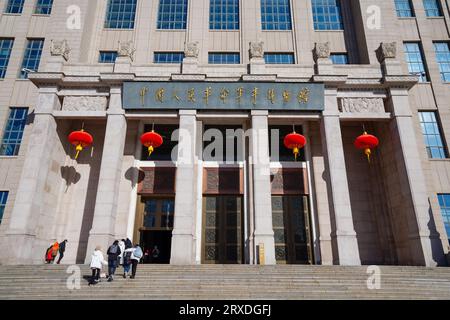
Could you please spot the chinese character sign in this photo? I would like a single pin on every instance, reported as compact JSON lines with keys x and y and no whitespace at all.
{"x":223,"y":95}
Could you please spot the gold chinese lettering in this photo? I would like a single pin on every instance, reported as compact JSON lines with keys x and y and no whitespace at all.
{"x":142,"y":93}
{"x":239,"y":94}
{"x":208,"y":93}
{"x":176,"y":96}
{"x":224,"y":93}
{"x":159,"y":95}
{"x":255,"y":93}
{"x":303,"y":96}
{"x":191,"y":95}
{"x":271,"y":95}
{"x":286,"y":96}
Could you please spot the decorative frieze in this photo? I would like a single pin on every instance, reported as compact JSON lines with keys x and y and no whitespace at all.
{"x":362,"y":105}
{"x":256,"y":49}
{"x":85,"y":103}
{"x":60,"y":48}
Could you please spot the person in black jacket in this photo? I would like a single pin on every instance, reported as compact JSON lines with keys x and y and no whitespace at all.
{"x":113,"y":254}
{"x":62,"y":249}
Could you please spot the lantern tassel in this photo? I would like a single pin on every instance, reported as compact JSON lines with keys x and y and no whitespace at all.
{"x":368,"y":153}
{"x":296,"y":152}
{"x":150,"y":150}
{"x":79,"y":149}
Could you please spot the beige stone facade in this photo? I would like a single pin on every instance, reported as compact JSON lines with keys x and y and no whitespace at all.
{"x":385,"y":212}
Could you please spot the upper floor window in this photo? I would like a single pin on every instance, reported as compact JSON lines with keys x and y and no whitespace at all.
{"x":12,"y":137}
{"x":120,"y":14}
{"x":414,"y":58}
{"x":432,"y":135}
{"x":444,"y":203}
{"x":5,"y":52}
{"x":279,"y":58}
{"x":224,"y":58}
{"x":3,"y":199}
{"x":32,"y":57}
{"x":276,"y":15}
{"x":44,"y":7}
{"x":224,"y":14}
{"x":107,"y":56}
{"x":432,"y":8}
{"x":404,"y":8}
{"x":327,"y":15}
{"x":442,"y":50}
{"x":14,"y":6}
{"x":168,"y":57}
{"x":339,"y":58}
{"x":172,"y":14}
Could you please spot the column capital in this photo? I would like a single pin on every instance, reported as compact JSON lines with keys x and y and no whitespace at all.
{"x":187,"y":112}
{"x":259,"y":113}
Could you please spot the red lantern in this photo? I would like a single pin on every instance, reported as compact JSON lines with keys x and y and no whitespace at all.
{"x":295,"y":142}
{"x":80,"y":139}
{"x":151,"y":140}
{"x":366,"y":142}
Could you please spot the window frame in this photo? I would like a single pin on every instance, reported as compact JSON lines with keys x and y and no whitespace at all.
{"x":277,"y":25}
{"x":438,"y":8}
{"x":4,"y":69}
{"x":130,"y":24}
{"x":47,"y":6}
{"x":162,"y":24}
{"x":443,"y":207}
{"x":425,"y":76}
{"x":411,"y":9}
{"x":222,"y":55}
{"x":440,"y":134}
{"x":4,"y":194}
{"x":327,"y":16}
{"x":224,"y":22}
{"x":107,"y":52}
{"x":442,"y":73}
{"x":8,"y":126}
{"x":9,"y":6}
{"x":279,"y":54}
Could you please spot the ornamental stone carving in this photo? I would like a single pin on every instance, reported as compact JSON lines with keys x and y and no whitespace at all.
{"x":191,"y":50}
{"x":60,"y":48}
{"x":362,"y":105}
{"x":84,"y":103}
{"x":387,"y":50}
{"x":322,"y":50}
{"x":126,"y":49}
{"x":256,"y":49}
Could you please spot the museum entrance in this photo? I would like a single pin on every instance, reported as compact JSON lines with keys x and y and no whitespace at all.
{"x":157,"y":229}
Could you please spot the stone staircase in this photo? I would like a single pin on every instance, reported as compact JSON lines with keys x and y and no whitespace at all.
{"x":228,"y":282}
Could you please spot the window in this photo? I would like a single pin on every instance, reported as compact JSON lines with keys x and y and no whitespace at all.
{"x":444,"y":203}
{"x":168,"y":57}
{"x":224,"y":58}
{"x":339,"y":58}
{"x":432,"y":8}
{"x":172,"y":14}
{"x":327,"y":15}
{"x":414,"y":58}
{"x":13,"y":132}
{"x":107,"y":56}
{"x":404,"y":8}
{"x":32,"y":57}
{"x":442,"y":50}
{"x":5,"y":52}
{"x":120,"y":14}
{"x":14,"y":6}
{"x":224,"y":14}
{"x":279,"y":58}
{"x":44,"y":7}
{"x":432,"y":135}
{"x":276,"y":15}
{"x":3,"y":199}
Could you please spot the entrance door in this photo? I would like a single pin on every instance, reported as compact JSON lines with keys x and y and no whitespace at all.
{"x":157,"y":228}
{"x":222,"y":230}
{"x":292,"y":230}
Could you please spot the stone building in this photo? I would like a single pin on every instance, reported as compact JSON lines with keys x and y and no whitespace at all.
{"x":331,"y":69}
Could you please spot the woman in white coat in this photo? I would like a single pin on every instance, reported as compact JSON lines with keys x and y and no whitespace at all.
{"x":122,"y":250}
{"x":97,"y":261}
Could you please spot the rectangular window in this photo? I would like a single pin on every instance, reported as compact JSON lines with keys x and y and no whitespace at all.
{"x":224,"y":14}
{"x":279,"y":58}
{"x":107,"y":56}
{"x":276,"y":15}
{"x":432,"y":135}
{"x":32,"y":57}
{"x":3,"y":199}
{"x":327,"y":15}
{"x":414,"y":58}
{"x":339,"y":58}
{"x":224,"y":58}
{"x":444,"y":203}
{"x":168,"y":57}
{"x":12,"y":136}
{"x":404,"y":8}
{"x":14,"y":6}
{"x":120,"y":14}
{"x":5,"y":52}
{"x":432,"y":8}
{"x":44,"y":7}
{"x":172,"y":14}
{"x":442,"y":50}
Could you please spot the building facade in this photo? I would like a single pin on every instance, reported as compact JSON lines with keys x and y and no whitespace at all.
{"x":251,"y":72}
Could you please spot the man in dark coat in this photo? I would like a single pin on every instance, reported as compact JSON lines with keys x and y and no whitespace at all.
{"x":62,"y":249}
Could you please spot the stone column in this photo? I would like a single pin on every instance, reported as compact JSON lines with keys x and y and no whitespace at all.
{"x":345,"y":245}
{"x":262,"y":193}
{"x":183,"y":235}
{"x":29,"y":203}
{"x":425,"y":245}
{"x":103,"y":226}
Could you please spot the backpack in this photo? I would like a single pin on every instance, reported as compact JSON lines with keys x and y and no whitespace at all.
{"x":127,"y":257}
{"x":138,"y":253}
{"x":113,"y":249}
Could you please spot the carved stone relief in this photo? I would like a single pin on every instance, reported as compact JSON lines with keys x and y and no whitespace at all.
{"x":84,"y":103}
{"x":362,"y":105}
